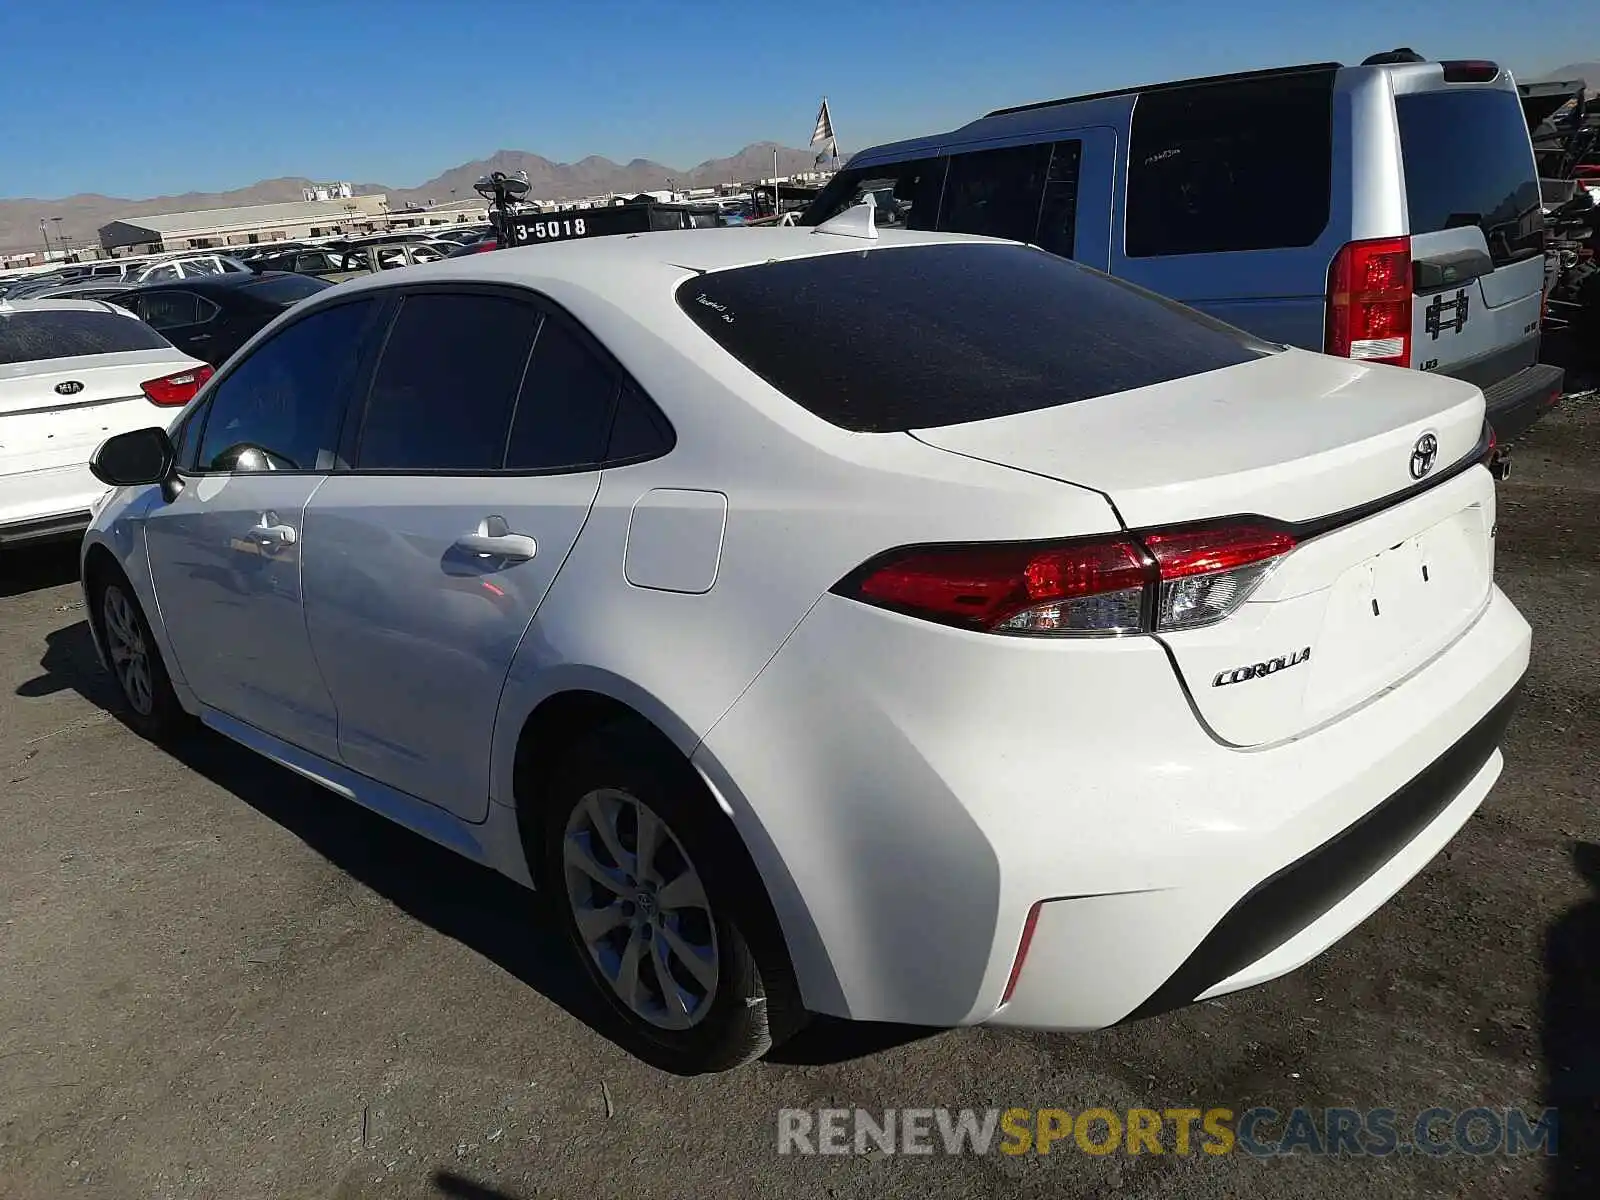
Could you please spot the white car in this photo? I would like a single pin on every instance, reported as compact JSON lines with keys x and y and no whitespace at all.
{"x":180,"y":267}
{"x":913,"y":628}
{"x":73,"y":373}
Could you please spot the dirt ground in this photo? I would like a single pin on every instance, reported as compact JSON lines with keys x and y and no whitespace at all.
{"x":217,"y":980}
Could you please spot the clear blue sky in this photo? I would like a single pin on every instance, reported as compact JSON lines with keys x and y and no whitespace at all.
{"x":139,"y":97}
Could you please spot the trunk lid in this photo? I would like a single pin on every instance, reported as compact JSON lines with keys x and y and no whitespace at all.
{"x":41,"y":427}
{"x":1303,"y":439}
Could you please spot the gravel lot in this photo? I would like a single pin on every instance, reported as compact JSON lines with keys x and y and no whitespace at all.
{"x":218,"y":980}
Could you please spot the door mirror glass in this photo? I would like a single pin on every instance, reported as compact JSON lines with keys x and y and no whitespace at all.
{"x":139,"y":457}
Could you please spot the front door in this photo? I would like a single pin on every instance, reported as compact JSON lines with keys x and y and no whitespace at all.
{"x":227,"y":554}
{"x":475,"y":471}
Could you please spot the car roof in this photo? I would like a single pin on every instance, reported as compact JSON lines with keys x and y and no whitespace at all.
{"x":224,"y":282}
{"x":1112,"y":107}
{"x":612,"y":263}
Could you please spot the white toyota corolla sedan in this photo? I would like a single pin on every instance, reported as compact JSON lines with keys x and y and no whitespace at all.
{"x":910,"y":628}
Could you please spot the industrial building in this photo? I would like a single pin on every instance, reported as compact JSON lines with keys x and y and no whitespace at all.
{"x":220,"y":228}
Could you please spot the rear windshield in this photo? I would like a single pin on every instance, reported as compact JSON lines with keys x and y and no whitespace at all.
{"x":69,"y":333}
{"x":286,"y":289}
{"x":912,"y":337}
{"x":1469,"y":161}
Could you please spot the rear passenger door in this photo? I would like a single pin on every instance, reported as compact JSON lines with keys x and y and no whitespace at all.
{"x":1054,"y":193}
{"x":184,"y":318}
{"x":476,"y":464}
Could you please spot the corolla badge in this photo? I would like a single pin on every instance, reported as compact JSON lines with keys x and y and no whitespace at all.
{"x":1261,"y":670}
{"x":69,"y":387}
{"x":1423,"y":455}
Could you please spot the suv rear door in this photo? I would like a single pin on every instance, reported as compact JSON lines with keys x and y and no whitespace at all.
{"x":1477,"y":231}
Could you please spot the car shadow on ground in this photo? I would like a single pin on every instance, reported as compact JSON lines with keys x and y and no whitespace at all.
{"x":34,"y":568}
{"x":1571,"y":1035}
{"x":459,"y":1187}
{"x":480,"y":908}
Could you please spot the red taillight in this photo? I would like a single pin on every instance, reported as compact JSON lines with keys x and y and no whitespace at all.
{"x":1369,"y":302}
{"x":1203,"y":551}
{"x":172,"y":391}
{"x":1469,"y":70}
{"x":1134,"y":583}
{"x":1020,"y":588}
{"x":1022,"y":951}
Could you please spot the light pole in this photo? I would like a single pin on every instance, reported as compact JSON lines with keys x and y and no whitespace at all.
{"x":59,"y":244}
{"x":44,"y":232}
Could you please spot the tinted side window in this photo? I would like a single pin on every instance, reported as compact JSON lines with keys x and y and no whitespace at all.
{"x":639,"y":430}
{"x":1058,"y":213}
{"x":906,"y":194}
{"x":995,"y":192}
{"x":283,"y":406}
{"x":564,"y":412}
{"x":443,"y":393}
{"x":165,"y":310}
{"x":1246,"y":165}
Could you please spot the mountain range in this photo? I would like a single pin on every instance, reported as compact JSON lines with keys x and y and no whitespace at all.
{"x":1589,"y":72}
{"x":83,"y":214}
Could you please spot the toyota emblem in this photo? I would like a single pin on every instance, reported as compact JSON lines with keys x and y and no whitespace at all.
{"x":69,"y":387}
{"x":1423,"y":455}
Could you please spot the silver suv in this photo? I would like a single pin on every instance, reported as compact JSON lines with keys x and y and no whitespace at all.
{"x":1387,"y":212}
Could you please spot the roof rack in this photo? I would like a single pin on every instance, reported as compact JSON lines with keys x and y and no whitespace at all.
{"x":1269,"y":73}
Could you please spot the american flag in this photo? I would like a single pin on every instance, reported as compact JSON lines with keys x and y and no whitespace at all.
{"x":823,"y":133}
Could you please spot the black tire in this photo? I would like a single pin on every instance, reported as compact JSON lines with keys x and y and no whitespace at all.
{"x":151,"y":711}
{"x":752,"y":1004}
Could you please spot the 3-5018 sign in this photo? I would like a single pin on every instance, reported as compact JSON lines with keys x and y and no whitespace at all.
{"x":551,"y":230}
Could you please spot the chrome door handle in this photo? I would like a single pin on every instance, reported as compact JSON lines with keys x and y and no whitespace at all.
{"x":270,"y":533}
{"x":493,"y":538}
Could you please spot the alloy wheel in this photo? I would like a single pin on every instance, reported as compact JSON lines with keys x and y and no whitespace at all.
{"x":641,"y":910}
{"x":129,"y":651}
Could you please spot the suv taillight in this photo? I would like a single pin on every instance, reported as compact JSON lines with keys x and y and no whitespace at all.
{"x":1369,"y":302}
{"x":1152,"y":582}
{"x":173,"y":391}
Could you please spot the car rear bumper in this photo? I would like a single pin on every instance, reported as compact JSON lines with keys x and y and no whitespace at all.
{"x":911,"y":793}
{"x":1516,"y":402}
{"x":52,"y":503}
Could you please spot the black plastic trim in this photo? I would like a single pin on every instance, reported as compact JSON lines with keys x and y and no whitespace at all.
{"x":1489,"y":369}
{"x":1439,"y":272}
{"x":42,"y":529}
{"x":1515,"y":403}
{"x":1279,"y":907}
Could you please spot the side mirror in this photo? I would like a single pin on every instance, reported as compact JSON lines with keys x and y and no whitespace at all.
{"x":131,"y":459}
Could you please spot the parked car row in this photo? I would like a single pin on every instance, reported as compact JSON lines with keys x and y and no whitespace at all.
{"x":123,"y":272}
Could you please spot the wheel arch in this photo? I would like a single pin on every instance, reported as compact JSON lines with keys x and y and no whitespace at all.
{"x":99,"y":565}
{"x":563,"y":718}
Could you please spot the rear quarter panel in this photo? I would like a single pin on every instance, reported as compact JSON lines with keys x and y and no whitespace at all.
{"x":806,"y":503}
